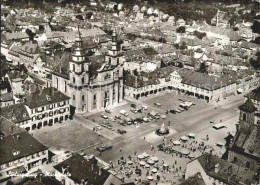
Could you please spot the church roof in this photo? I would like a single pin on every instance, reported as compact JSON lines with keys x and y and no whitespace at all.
{"x":248,"y":106}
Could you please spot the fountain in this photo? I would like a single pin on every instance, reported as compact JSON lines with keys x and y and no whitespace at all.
{"x":162,"y":130}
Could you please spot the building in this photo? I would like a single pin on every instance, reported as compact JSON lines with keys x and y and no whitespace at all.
{"x":46,"y":107}
{"x":245,"y":148}
{"x":78,"y":170}
{"x":6,"y":94}
{"x":214,"y":170}
{"x":20,"y":151}
{"x":199,"y":85}
{"x":91,"y":84}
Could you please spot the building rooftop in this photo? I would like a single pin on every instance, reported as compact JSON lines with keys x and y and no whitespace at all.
{"x":248,"y":143}
{"x":16,"y":143}
{"x":39,"y":97}
{"x":248,"y":106}
{"x":254,"y":94}
{"x":82,"y":169}
{"x":16,"y":113}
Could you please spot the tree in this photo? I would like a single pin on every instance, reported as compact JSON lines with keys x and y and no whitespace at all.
{"x":181,"y":29}
{"x":203,"y":67}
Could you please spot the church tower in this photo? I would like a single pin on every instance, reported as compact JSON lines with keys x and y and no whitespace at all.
{"x":79,"y":76}
{"x":114,"y":56}
{"x":247,"y":115}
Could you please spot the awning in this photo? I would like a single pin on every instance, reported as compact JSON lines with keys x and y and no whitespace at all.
{"x":150,"y":161}
{"x":176,"y":142}
{"x":18,"y":170}
{"x":184,"y":138}
{"x":191,"y":135}
{"x":185,"y":152}
{"x":218,"y":125}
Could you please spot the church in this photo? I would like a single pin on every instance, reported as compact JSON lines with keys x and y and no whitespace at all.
{"x":92,"y":82}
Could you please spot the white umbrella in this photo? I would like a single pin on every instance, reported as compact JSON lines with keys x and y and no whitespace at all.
{"x":147,"y":166}
{"x":154,"y":170}
{"x":145,"y":154}
{"x":165,"y":165}
{"x":191,"y":156}
{"x":130,"y":162}
{"x":150,"y":177}
{"x":184,"y":138}
{"x":176,"y":142}
{"x":150,"y":161}
{"x":185,"y":152}
{"x":140,"y":156}
{"x":191,"y":135}
{"x":155,"y":159}
{"x":163,"y":116}
{"x":142,"y":163}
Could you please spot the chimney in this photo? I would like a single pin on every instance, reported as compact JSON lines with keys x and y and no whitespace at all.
{"x":230,"y":170}
{"x":18,"y":137}
{"x":217,"y":168}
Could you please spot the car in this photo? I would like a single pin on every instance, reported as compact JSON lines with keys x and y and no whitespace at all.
{"x":104,"y":116}
{"x":134,"y":111}
{"x":112,"y":119}
{"x":144,"y":107}
{"x":98,"y":127}
{"x":122,"y":122}
{"x":146,"y":119}
{"x":140,"y":120}
{"x":157,"y":117}
{"x":108,"y":111}
{"x":103,"y":148}
{"x":123,"y":112}
{"x":117,"y":117}
{"x":181,"y":100}
{"x":172,"y":111}
{"x":181,"y":109}
{"x":193,"y":103}
{"x":120,"y":131}
{"x":178,"y":110}
{"x":157,"y":104}
{"x":211,"y":121}
{"x":133,"y":105}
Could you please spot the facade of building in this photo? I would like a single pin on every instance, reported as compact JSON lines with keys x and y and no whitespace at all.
{"x":46,"y":107}
{"x":79,"y":170}
{"x":216,"y":171}
{"x":20,"y":151}
{"x":92,"y":85}
{"x":6,"y":95}
{"x":245,"y":149}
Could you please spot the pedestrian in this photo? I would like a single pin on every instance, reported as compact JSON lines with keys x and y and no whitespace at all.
{"x":144,"y":137}
{"x":120,"y":149}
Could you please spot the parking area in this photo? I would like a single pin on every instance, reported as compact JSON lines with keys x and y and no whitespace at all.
{"x":151,"y":112}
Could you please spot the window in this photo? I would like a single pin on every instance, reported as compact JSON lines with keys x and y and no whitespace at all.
{"x":65,"y":87}
{"x":73,"y":80}
{"x":82,"y":67}
{"x":73,"y":66}
{"x":117,"y":60}
{"x":73,"y":97}
{"x":244,"y":116}
{"x":247,"y":164}
{"x":82,"y":80}
{"x":83,"y":98}
{"x":94,"y":97}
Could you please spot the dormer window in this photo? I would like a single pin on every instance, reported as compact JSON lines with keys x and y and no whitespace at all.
{"x":48,"y":97}
{"x":15,"y":152}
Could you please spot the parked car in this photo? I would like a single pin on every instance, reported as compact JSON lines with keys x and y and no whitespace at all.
{"x":104,"y":116}
{"x":108,"y":111}
{"x":181,"y":109}
{"x":144,"y":107}
{"x":172,"y":111}
{"x":178,"y":110}
{"x":117,"y":117}
{"x":157,"y":104}
{"x":121,"y":131}
{"x":112,"y":119}
{"x":145,"y":119}
{"x":134,"y":111}
{"x":104,"y":147}
{"x":123,"y":112}
{"x":122,"y":122}
{"x":140,"y":120}
{"x":133,"y":105}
